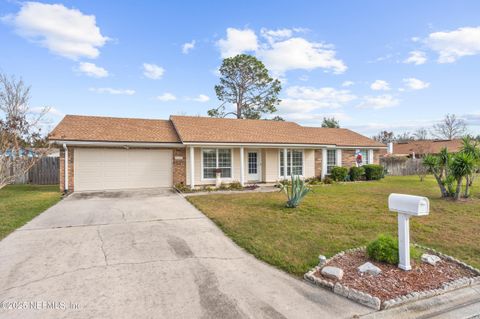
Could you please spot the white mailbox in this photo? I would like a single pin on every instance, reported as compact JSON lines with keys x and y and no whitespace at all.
{"x":406,"y":206}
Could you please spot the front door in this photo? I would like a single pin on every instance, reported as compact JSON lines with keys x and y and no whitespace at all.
{"x":253,"y":166}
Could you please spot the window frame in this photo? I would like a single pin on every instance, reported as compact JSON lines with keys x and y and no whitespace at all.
{"x":203,"y":178}
{"x":329,"y":167}
{"x":280,"y":157}
{"x":365,"y":156}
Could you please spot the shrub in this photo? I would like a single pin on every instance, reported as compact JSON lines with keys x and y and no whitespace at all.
{"x":295,"y":192}
{"x":373,"y":172}
{"x":385,"y":249}
{"x":235,"y":185}
{"x":222,"y":187}
{"x":327,"y":180}
{"x":356,"y":173}
{"x":338,"y":173}
{"x":182,"y":188}
{"x":313,"y":181}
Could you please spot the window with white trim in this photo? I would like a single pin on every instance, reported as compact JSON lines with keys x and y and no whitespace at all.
{"x":217,"y":158}
{"x":294,"y":162}
{"x":365,"y":157}
{"x":331,"y":160}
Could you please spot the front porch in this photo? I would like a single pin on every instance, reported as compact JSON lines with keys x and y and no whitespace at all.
{"x":247,"y":164}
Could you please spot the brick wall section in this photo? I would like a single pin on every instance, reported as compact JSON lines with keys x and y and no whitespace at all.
{"x":179,"y":166}
{"x":70,"y":169}
{"x":348,"y":158}
{"x":318,"y":163}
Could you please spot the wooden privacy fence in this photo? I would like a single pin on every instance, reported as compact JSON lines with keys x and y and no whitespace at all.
{"x":401,"y":166}
{"x":44,"y":172}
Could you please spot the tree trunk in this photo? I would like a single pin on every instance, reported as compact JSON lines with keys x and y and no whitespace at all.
{"x":459,"y":187}
{"x":443,"y":190}
{"x":467,"y":186}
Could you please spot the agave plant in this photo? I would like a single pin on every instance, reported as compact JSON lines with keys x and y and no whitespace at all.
{"x":295,"y":192}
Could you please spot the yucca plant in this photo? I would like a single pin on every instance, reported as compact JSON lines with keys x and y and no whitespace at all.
{"x":295,"y":191}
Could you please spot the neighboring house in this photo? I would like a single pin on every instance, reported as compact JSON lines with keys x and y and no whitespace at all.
{"x":122,"y":153}
{"x":417,"y":149}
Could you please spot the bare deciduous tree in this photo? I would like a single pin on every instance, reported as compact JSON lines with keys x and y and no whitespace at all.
{"x":450,"y":128}
{"x":420,"y":134}
{"x":19,"y":130}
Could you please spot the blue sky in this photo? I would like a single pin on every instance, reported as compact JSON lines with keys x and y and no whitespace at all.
{"x":372,"y":64}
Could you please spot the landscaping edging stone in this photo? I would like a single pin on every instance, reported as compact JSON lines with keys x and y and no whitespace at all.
{"x":375,"y":302}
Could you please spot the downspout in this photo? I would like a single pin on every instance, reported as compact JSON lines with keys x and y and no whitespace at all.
{"x":65,"y":186}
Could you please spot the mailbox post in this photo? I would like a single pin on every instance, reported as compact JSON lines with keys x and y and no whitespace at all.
{"x":406,"y":206}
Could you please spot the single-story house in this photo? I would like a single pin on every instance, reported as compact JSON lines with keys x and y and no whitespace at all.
{"x":417,"y":149}
{"x":124,"y":153}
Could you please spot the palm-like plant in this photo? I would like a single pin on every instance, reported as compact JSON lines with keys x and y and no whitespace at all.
{"x":472,"y":148}
{"x":295,"y":192}
{"x":435,"y":165}
{"x":462,"y":165}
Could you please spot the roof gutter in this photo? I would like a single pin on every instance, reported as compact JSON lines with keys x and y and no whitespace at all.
{"x":117,"y":144}
{"x":279,"y":145}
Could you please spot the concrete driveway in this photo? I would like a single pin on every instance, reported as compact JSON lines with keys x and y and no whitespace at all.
{"x":145,"y":254}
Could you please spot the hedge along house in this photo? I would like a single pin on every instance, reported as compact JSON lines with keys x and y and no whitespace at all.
{"x":104,"y":153}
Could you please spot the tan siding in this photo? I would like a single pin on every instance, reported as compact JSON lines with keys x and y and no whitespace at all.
{"x":309,"y":163}
{"x":271,"y":165}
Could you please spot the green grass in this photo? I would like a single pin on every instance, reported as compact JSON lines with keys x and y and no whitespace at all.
{"x":340,"y":216}
{"x":20,"y":203}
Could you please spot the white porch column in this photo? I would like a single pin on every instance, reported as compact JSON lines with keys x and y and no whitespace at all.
{"x":324,"y":163}
{"x":339,"y":157}
{"x":285,"y":163}
{"x":192,"y":167}
{"x":370,"y":156}
{"x":242,"y":166}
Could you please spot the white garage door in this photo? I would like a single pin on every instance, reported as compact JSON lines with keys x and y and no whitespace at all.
{"x":100,"y":169}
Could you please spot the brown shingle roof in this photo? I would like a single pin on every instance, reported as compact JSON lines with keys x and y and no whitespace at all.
{"x":111,"y":129}
{"x":426,"y":147}
{"x":201,"y":129}
{"x":216,"y":130}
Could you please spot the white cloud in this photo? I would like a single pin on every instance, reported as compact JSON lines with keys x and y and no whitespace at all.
{"x":50,"y":111}
{"x":302,"y":99}
{"x":63,"y":31}
{"x":275,"y":35}
{"x":188,"y":46}
{"x":416,"y":57}
{"x":378,"y":102}
{"x":153,"y":71}
{"x":415,"y":84}
{"x":348,"y":83}
{"x":202,"y":98}
{"x":380,"y":85}
{"x":112,"y":91}
{"x":165,"y":97}
{"x":92,"y":70}
{"x":282,"y":51}
{"x":452,"y":45}
{"x":314,"y":118}
{"x":237,"y":41}
{"x":298,"y":53}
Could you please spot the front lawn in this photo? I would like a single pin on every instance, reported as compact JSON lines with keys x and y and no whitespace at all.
{"x":20,"y":203}
{"x":341,"y":216}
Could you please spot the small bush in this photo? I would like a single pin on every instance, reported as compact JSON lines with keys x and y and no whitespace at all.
{"x":182,"y":188}
{"x":356,"y":173}
{"x":313,"y":181}
{"x":328,"y":180}
{"x":385,"y":249}
{"x":222,"y":187}
{"x":338,"y":173}
{"x":373,"y":172}
{"x":235,"y":185}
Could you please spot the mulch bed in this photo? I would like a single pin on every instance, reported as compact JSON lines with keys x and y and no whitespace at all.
{"x":393,"y":282}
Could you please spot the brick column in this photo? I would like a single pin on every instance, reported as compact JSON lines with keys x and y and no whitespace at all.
{"x":179,"y":166}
